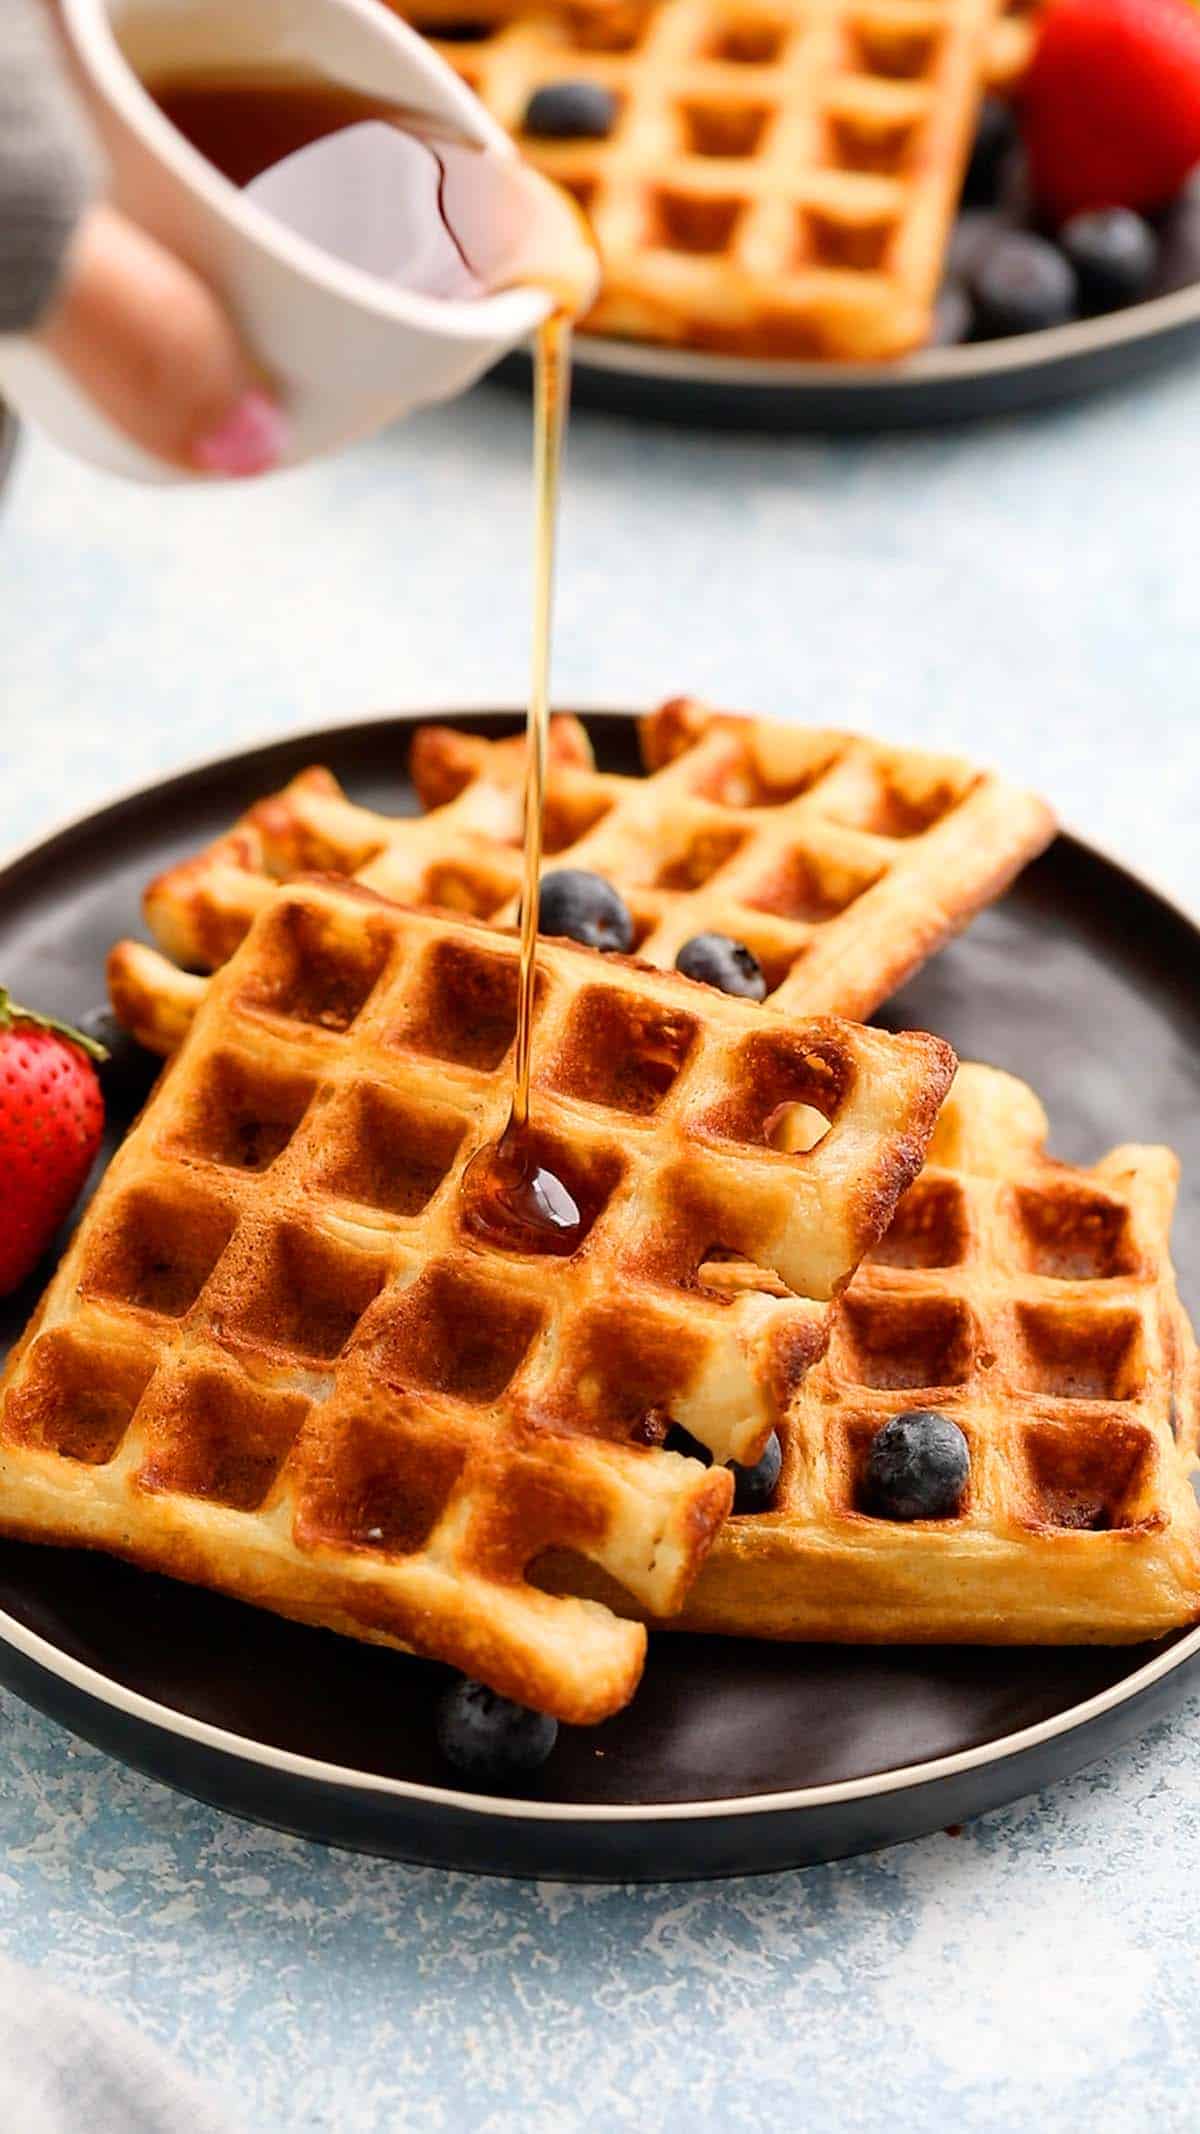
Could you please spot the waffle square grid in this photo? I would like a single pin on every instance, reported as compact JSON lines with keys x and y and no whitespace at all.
{"x":1035,"y":1303}
{"x":277,"y":1361}
{"x":781,"y":175}
{"x":842,"y":863}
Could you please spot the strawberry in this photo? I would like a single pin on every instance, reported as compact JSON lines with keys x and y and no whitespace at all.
{"x":1111,"y":106}
{"x":51,"y":1122}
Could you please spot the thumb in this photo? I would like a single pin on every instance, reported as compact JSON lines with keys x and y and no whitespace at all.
{"x":148,"y":343}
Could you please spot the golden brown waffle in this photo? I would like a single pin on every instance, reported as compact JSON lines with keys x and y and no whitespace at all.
{"x":1010,"y":49}
{"x":1036,"y":1304}
{"x":278,"y":1360}
{"x":843,"y":863}
{"x":782,"y":174}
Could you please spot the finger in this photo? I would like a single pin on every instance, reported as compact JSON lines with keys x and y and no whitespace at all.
{"x":148,"y":343}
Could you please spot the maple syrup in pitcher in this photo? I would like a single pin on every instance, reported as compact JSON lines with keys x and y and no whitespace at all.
{"x":389,"y":191}
{"x":434,"y":231}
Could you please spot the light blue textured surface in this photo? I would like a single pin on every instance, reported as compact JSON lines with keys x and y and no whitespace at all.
{"x":1026,"y":591}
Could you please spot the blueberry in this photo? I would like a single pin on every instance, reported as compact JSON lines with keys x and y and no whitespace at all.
{"x":1021,"y":284}
{"x":1114,"y":254}
{"x":953,"y":317}
{"x":716,"y":960}
{"x":918,"y":1467}
{"x":973,"y":232}
{"x":585,"y":908}
{"x":1016,"y":207}
{"x":754,"y":1487}
{"x":129,"y":1073}
{"x":680,"y":1440}
{"x":488,"y":1737}
{"x":1179,"y":249}
{"x":995,"y":136}
{"x":571,"y":111}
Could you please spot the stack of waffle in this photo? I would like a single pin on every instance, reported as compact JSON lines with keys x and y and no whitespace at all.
{"x":283,"y":1358}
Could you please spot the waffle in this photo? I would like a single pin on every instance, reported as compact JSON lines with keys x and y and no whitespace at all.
{"x":1010,"y":47}
{"x":1036,"y":1304}
{"x":280,"y":1360}
{"x":782,"y":174}
{"x":841,"y":862}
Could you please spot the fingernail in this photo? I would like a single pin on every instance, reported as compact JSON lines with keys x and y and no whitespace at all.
{"x":251,"y":439}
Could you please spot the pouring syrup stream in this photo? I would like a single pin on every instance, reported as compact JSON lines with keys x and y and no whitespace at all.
{"x":551,"y":390}
{"x":510,"y":1196}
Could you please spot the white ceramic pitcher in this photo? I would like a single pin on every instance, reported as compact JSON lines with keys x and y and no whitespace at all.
{"x":348,"y":352}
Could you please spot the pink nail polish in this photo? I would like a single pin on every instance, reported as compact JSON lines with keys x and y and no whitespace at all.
{"x":250,"y":440}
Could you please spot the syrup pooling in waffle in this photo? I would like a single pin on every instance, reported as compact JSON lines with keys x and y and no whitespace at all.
{"x":276,"y":1361}
{"x":779,"y":176}
{"x":1033,"y":1303}
{"x":842,"y":863}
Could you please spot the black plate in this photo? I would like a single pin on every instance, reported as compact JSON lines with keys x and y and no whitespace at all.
{"x":734,"y":1756}
{"x":936,"y":386}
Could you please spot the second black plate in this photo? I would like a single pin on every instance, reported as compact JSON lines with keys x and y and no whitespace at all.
{"x":935,"y":386}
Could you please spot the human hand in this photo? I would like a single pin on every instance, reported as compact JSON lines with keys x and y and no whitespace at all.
{"x":148,"y":343}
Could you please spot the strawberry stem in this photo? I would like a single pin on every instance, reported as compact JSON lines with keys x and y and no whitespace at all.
{"x":11,"y":1014}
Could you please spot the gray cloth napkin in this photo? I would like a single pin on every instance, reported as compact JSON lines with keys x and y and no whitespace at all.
{"x":69,"y":2067}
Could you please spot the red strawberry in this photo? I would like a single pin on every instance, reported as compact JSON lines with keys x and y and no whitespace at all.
{"x":1111,"y":105}
{"x":51,"y":1121}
